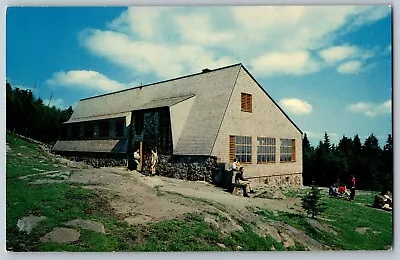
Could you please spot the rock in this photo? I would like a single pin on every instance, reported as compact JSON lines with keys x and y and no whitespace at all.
{"x":87,"y":224}
{"x":239,"y":248}
{"x":28,"y":223}
{"x":221,"y":245}
{"x":320,"y":226}
{"x":61,"y":235}
{"x":271,"y":193}
{"x":362,"y":230}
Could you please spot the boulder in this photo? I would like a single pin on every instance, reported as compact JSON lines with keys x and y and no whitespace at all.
{"x":61,"y":235}
{"x":27,"y":223}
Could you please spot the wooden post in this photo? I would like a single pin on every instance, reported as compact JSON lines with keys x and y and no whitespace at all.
{"x":141,"y":156}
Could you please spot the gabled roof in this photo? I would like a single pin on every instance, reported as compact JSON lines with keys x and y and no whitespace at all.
{"x":211,"y":89}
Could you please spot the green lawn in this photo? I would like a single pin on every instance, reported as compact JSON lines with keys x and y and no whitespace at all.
{"x":61,"y":202}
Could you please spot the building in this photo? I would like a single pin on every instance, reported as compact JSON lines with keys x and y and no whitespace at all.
{"x":199,"y":123}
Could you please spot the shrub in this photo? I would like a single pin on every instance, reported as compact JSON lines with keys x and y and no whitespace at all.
{"x":311,"y":202}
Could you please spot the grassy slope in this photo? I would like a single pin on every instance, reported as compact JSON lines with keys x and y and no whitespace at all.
{"x":61,"y":202}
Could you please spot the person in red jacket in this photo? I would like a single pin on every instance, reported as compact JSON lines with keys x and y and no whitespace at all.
{"x":352,"y":185}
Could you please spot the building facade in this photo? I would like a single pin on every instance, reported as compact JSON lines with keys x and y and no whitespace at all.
{"x":199,"y":124}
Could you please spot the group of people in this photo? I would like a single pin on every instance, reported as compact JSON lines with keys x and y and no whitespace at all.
{"x":238,"y":175}
{"x":342,"y":191}
{"x":153,"y":160}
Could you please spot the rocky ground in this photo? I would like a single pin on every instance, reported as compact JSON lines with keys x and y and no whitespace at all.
{"x":140,"y":199}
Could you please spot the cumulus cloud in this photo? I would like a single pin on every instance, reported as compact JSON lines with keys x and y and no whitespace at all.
{"x":371,"y":109}
{"x":296,"y":106}
{"x":339,"y":53}
{"x":168,"y":60}
{"x":85,"y":79}
{"x":172,"y":41}
{"x":350,"y":67}
{"x":277,"y":63}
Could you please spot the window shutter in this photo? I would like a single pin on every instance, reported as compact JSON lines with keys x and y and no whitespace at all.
{"x":243,"y":101}
{"x":249,"y":103}
{"x":232,"y":144}
{"x":293,"y":150}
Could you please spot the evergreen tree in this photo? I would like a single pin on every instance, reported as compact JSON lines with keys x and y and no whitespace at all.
{"x":311,"y":202}
{"x":308,"y":161}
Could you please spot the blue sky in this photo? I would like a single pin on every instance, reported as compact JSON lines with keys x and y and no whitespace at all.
{"x":329,"y":67}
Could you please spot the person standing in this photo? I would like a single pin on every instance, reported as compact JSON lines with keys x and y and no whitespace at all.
{"x":352,"y":185}
{"x":154,"y":160}
{"x":136,"y":157}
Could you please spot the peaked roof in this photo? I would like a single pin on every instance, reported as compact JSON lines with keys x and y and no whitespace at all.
{"x":212,"y":90}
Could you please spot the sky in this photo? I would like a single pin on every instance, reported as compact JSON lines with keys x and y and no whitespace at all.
{"x":328,"y":67}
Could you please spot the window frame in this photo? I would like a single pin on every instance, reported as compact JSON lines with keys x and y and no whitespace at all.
{"x":244,"y":145}
{"x":266,"y":146}
{"x":287,"y":144}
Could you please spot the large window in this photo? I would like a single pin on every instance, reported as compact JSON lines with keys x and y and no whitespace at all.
{"x":104,"y":129}
{"x":288,"y":150}
{"x":75,"y":131}
{"x":139,"y":122}
{"x":119,"y":128}
{"x":246,"y":102}
{"x":240,"y":148}
{"x":88,"y":133}
{"x":266,"y":149}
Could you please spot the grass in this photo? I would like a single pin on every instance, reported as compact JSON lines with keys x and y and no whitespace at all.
{"x":344,"y":217}
{"x":61,"y":202}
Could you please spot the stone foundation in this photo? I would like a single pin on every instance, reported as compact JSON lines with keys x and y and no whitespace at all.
{"x":285,"y":180}
{"x":97,"y":159}
{"x":193,"y":168}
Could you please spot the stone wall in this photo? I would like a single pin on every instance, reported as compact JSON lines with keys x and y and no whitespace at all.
{"x":97,"y":159}
{"x":193,"y":168}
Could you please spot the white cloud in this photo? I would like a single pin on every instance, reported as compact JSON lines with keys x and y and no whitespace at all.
{"x":276,"y":63}
{"x":85,"y":79}
{"x":350,"y":67}
{"x":339,"y":53}
{"x":296,"y":106}
{"x":371,"y":109}
{"x":172,"y":41}
{"x":168,"y":60}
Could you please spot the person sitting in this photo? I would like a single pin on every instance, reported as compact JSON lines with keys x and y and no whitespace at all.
{"x":387,"y":201}
{"x":244,"y":183}
{"x":343,"y":190}
{"x":235,"y":166}
{"x":334,"y":192}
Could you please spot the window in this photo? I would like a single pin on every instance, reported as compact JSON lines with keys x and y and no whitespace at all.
{"x":89,"y":130}
{"x":266,"y":149}
{"x":104,"y":129}
{"x":75,"y":131}
{"x":240,"y":148}
{"x":288,"y":150}
{"x":246,"y":102}
{"x":139,"y":122}
{"x":119,"y":128}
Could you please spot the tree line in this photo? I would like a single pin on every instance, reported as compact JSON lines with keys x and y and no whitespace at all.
{"x":329,"y":164}
{"x":29,"y":116}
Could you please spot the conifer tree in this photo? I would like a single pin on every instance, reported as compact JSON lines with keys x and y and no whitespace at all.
{"x":311,"y":202}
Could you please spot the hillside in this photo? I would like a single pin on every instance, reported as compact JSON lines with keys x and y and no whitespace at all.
{"x":80,"y":208}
